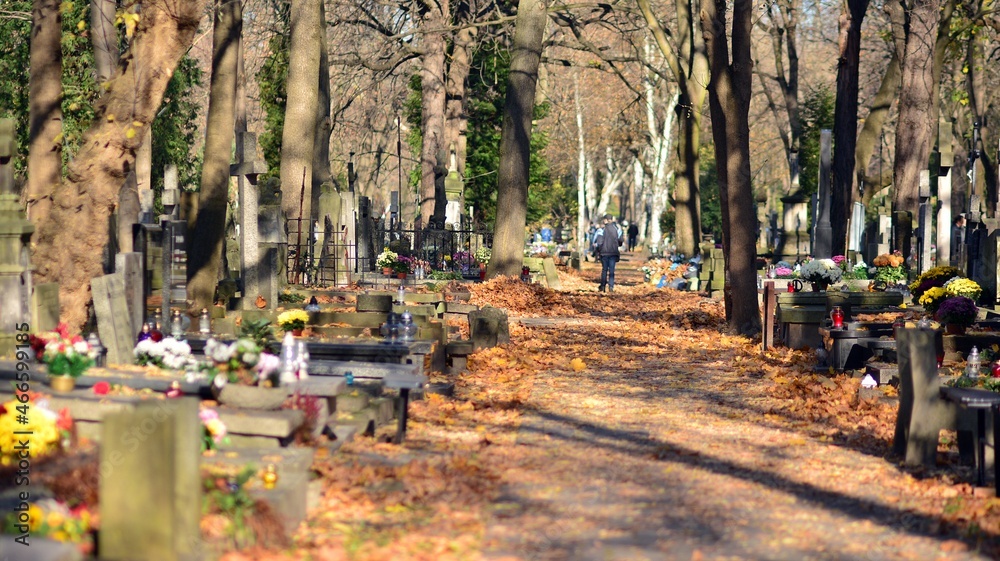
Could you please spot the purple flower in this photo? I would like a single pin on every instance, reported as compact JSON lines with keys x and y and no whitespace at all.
{"x":838,"y":259}
{"x":957,"y":310}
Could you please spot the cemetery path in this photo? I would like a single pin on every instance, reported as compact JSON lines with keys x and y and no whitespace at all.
{"x":676,"y":453}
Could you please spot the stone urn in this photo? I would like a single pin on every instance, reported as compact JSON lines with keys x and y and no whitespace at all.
{"x":251,"y":397}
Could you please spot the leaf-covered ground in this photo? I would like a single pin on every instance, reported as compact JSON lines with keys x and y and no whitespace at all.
{"x":630,"y":426}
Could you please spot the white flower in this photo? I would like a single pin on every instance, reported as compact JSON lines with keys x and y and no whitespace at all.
{"x":81,"y":347}
{"x":821,"y":270}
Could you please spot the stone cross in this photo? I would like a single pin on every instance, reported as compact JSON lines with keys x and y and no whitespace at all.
{"x":246,"y":172}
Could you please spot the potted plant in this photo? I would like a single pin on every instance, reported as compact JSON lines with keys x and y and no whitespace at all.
{"x":401,"y":267}
{"x":890,"y":268}
{"x":821,"y":272}
{"x":386,"y":260}
{"x":482,"y":256}
{"x":293,"y":320}
{"x":932,"y":298}
{"x":244,"y":375}
{"x":961,"y":286}
{"x":957,"y":313}
{"x":67,"y":358}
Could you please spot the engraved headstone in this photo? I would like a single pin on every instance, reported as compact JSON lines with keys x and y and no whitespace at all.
{"x":130,"y":267}
{"x":45,"y":306}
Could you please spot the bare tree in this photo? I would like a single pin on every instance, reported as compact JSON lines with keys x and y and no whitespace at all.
{"x":729,"y":103}
{"x":515,"y":139}
{"x":209,"y":224}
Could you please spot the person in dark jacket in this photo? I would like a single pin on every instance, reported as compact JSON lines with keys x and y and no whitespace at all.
{"x":607,"y":241}
{"x":633,"y":234}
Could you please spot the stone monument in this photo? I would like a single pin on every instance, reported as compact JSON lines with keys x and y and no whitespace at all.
{"x":15,"y":254}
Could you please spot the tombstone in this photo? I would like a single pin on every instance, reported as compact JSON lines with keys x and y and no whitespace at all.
{"x":881,"y":244}
{"x":174,"y":289}
{"x":45,"y":306}
{"x":150,"y":484}
{"x":856,"y":228}
{"x":246,"y":172}
{"x":794,"y":244}
{"x":365,"y":241}
{"x":114,"y":325}
{"x":922,"y":413}
{"x":945,"y":251}
{"x":15,"y":254}
{"x":488,"y":328}
{"x":454,"y":189}
{"x":551,"y":275}
{"x":762,"y":230}
{"x":330,"y":240}
{"x":130,"y":267}
{"x":272,"y":241}
{"x":823,"y":241}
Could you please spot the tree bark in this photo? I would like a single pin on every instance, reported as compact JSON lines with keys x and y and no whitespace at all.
{"x":456,"y":118}
{"x":845,"y":121}
{"x":209,"y":225}
{"x":433,"y":152}
{"x":104,"y":38}
{"x":321,"y":146}
{"x":872,"y":128}
{"x":515,"y":139}
{"x":298,"y":138}
{"x":914,"y":129}
{"x":44,"y":109}
{"x":729,"y":103}
{"x":66,"y":240}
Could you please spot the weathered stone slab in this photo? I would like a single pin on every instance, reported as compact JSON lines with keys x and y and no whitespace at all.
{"x":374,"y":303}
{"x":44,"y":306}
{"x":113,"y":323}
{"x":41,"y":549}
{"x":150,"y":482}
{"x":488,"y":328}
{"x":460,"y":308}
{"x":551,"y":276}
{"x":130,"y":267}
{"x":276,"y":424}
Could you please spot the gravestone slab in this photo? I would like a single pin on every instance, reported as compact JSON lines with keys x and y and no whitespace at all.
{"x":130,"y":267}
{"x":45,"y":306}
{"x":150,"y":482}
{"x":113,"y":324}
{"x":488,"y":328}
{"x":551,"y":276}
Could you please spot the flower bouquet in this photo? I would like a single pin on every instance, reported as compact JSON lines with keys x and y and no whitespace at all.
{"x":822,"y":272}
{"x":64,"y":355}
{"x":294,"y":320}
{"x":31,"y":422}
{"x":957,"y":310}
{"x":932,"y":298}
{"x":243,"y":362}
{"x":960,"y":286}
{"x":213,"y":429}
{"x":889,"y":268}
{"x":483,"y":255}
{"x":386,"y":259}
{"x":168,"y":353}
{"x":935,"y":276}
{"x":783,"y":272}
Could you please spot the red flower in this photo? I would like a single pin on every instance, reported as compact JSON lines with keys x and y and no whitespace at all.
{"x":76,"y":339}
{"x":3,"y":410}
{"x":101,"y":388}
{"x":156,"y":336}
{"x":63,"y":330}
{"x":65,"y":420}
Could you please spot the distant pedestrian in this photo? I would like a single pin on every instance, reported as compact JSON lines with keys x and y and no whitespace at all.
{"x":633,"y":234}
{"x":607,"y":243}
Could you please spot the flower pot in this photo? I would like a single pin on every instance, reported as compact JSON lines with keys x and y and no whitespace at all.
{"x":482,"y":274}
{"x":954,"y":329}
{"x":820,"y":286}
{"x":252,"y":397}
{"x":62,"y":384}
{"x":296,"y":332}
{"x":401,"y":276}
{"x":387,"y":271}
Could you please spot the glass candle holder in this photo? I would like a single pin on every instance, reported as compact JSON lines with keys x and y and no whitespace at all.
{"x":837,"y":317}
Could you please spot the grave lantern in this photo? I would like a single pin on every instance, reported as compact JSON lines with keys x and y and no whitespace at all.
{"x":102,"y":352}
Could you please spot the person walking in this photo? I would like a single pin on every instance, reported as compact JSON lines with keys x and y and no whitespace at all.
{"x":606,"y":243}
{"x":633,"y":233}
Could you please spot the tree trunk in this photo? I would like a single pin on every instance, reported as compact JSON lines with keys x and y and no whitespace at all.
{"x":298,"y":138}
{"x":104,"y":38}
{"x":582,"y":216}
{"x":687,"y":193}
{"x":515,"y":139}
{"x":209,"y":228}
{"x":845,"y":121}
{"x":433,"y":158}
{"x":456,"y":118}
{"x":321,"y":146}
{"x":729,"y":103}
{"x":67,"y":241}
{"x":44,"y":109}
{"x":872,"y":128}
{"x":914,"y":129}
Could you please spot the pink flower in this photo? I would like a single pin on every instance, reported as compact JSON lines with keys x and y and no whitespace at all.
{"x":838,"y":259}
{"x":208,"y":414}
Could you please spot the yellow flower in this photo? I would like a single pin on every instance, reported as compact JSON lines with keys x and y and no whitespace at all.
{"x":55,"y":519}
{"x":215,"y":427}
{"x":35,"y":516}
{"x":59,"y":536}
{"x":293,"y":319}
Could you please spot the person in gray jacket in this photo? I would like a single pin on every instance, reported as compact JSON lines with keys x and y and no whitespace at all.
{"x":607,"y":242}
